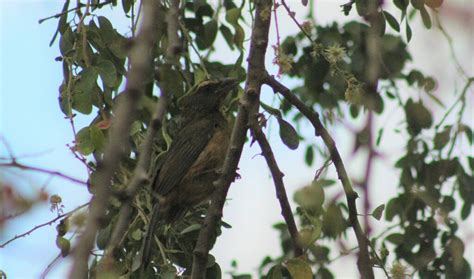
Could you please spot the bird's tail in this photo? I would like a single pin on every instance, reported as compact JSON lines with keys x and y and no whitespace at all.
{"x":147,"y":244}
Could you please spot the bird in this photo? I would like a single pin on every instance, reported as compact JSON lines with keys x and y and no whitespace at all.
{"x":194,"y":158}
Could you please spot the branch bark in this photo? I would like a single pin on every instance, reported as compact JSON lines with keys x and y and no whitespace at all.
{"x":141,"y":172}
{"x":140,"y":176}
{"x":49,"y":223}
{"x":363,"y":262}
{"x":14,"y":164}
{"x":248,"y":106}
{"x":277,"y":175}
{"x":125,"y":112}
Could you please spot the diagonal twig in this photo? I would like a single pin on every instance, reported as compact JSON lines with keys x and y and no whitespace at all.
{"x":277,"y":175}
{"x":248,"y":105}
{"x":50,"y":222}
{"x":363,"y":262}
{"x":14,"y":164}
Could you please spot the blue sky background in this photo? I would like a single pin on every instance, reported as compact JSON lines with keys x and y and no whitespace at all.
{"x":35,"y":128}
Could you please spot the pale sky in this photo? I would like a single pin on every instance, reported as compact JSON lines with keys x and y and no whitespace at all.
{"x":31,"y":122}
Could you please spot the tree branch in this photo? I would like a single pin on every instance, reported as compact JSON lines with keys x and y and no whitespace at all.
{"x":41,"y":225}
{"x":140,"y":57}
{"x":14,"y":164}
{"x":140,"y":175}
{"x":277,"y":175}
{"x":363,"y":262}
{"x":248,"y":106}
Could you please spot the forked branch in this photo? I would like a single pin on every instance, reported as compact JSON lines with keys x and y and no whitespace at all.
{"x":363,"y":262}
{"x":125,"y":112}
{"x":248,"y":106}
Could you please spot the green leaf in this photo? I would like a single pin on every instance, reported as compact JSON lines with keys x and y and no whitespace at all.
{"x":66,"y":42}
{"x":380,"y":24}
{"x":334,"y":222}
{"x":418,"y":4}
{"x":232,"y":16}
{"x":442,"y":138}
{"x":107,"y":72}
{"x":392,"y":21}
{"x":118,"y":47}
{"x":126,"y":5}
{"x":408,"y":31}
{"x":395,"y":238}
{"x":377,"y":213}
{"x":309,"y":155}
{"x":64,"y":245}
{"x":205,"y":38}
{"x":137,"y":234}
{"x":324,"y":182}
{"x":227,"y":34}
{"x":107,"y":31}
{"x":275,"y":272}
{"x":97,"y":138}
{"x":418,"y":117}
{"x":379,"y":136}
{"x":324,"y":273}
{"x":433,"y":3}
{"x":401,"y":4}
{"x":82,"y":101}
{"x":288,"y":134}
{"x":362,"y":7}
{"x":456,"y":248}
{"x":468,"y":131}
{"x":470,"y":160}
{"x":425,"y":16}
{"x":191,"y":228}
{"x":83,"y":141}
{"x":271,"y":110}
{"x":299,"y":268}
{"x":310,"y":197}
{"x":466,"y":210}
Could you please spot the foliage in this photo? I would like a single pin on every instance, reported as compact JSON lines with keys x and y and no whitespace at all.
{"x":331,"y":61}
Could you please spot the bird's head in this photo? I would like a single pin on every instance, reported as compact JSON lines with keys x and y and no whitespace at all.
{"x":208,"y":95}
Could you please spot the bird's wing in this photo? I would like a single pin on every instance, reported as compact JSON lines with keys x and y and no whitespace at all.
{"x":183,"y":152}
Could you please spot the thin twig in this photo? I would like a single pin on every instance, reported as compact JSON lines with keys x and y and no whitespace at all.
{"x":363,"y":262}
{"x":248,"y":105}
{"x":277,"y":175}
{"x":172,"y":19}
{"x":84,"y":34}
{"x":98,"y":5}
{"x":50,"y":266}
{"x":140,"y":56}
{"x":292,"y":15}
{"x":14,"y":164}
{"x":140,"y":174}
{"x":42,"y":225}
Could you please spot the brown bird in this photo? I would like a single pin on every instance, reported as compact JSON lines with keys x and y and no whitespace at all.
{"x":194,"y":158}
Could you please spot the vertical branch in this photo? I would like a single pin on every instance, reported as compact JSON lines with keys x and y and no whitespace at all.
{"x":277,"y":175}
{"x":140,"y":174}
{"x":248,"y":106}
{"x":140,"y":58}
{"x":363,"y":262}
{"x":172,"y":18}
{"x":372,"y":73}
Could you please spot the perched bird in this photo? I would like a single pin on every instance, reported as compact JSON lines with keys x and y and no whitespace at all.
{"x":194,"y":158}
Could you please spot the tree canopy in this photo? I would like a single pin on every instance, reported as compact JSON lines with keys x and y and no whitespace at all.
{"x":133,"y":83}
